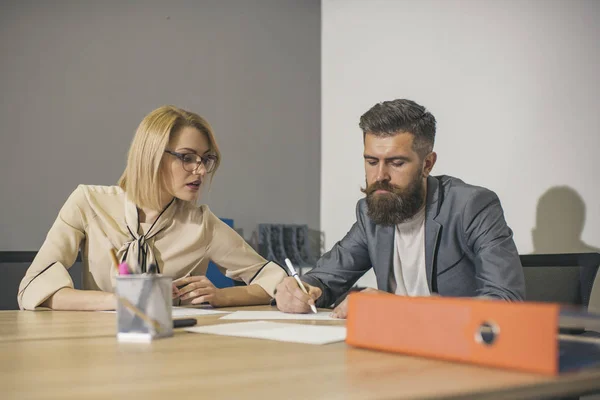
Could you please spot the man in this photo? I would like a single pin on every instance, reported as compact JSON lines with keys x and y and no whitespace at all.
{"x":422,"y":234}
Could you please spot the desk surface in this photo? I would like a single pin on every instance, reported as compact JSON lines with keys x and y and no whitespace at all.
{"x":75,"y":355}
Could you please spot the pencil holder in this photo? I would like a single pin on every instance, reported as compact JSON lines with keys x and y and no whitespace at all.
{"x":143,"y":307}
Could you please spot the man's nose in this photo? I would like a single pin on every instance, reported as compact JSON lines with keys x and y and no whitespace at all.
{"x":383,"y":173}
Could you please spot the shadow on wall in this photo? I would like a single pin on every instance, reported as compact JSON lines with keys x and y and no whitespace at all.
{"x":560,"y":219}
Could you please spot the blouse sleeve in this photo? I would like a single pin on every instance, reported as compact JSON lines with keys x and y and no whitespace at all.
{"x":231,"y":252}
{"x":48,"y":272}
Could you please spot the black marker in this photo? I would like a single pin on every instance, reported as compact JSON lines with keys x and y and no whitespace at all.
{"x":184,"y":322}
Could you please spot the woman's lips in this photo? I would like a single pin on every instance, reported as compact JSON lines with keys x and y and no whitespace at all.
{"x":194,"y":185}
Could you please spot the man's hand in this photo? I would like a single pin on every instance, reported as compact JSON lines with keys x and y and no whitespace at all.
{"x":291,"y":299}
{"x":341,"y":311}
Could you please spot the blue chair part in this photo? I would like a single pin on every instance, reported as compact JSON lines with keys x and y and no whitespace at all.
{"x":214,"y":274}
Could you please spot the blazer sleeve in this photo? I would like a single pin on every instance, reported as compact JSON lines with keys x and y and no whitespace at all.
{"x":241,"y":262}
{"x":343,"y":265}
{"x":48,"y":272}
{"x":498,"y":269}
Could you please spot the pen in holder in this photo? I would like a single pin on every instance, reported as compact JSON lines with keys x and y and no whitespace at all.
{"x":144,"y":307}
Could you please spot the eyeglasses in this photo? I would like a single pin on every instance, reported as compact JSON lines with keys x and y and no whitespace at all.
{"x":191,"y":162}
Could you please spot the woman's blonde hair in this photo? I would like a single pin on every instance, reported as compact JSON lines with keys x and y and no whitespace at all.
{"x":142,"y":179}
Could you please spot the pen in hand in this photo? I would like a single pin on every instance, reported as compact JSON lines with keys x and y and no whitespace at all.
{"x":295,"y":275}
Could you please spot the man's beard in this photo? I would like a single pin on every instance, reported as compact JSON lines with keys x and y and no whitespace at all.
{"x":398,"y":205}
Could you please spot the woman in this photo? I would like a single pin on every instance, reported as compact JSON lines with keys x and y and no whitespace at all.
{"x":150,"y":218}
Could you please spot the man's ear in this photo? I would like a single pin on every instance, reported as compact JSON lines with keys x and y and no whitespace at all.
{"x":428,"y":163}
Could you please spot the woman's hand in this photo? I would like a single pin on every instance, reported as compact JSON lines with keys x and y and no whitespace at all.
{"x":197,"y":290}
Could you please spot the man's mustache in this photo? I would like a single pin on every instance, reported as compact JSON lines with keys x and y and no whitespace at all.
{"x":381,"y":185}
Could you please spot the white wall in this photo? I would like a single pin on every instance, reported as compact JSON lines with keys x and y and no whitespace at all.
{"x":76,"y":78}
{"x":514,"y":86}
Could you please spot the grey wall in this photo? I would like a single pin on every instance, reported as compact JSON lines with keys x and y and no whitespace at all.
{"x":77,"y":77}
{"x":513,"y":85}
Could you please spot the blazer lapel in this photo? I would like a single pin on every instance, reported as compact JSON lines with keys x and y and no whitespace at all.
{"x":432,"y":229}
{"x":385,"y":253}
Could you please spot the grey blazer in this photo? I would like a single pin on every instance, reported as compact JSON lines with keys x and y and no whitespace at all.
{"x":469,"y":248}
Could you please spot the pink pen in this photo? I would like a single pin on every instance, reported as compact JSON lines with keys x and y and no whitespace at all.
{"x":124,"y":269}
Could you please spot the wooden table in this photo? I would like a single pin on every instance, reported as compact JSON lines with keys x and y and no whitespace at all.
{"x":75,"y":355}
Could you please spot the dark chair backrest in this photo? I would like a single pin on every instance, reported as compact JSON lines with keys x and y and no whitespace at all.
{"x":561,"y":278}
{"x":13,"y":265}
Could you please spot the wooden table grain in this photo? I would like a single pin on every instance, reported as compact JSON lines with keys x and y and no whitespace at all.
{"x":75,"y":355}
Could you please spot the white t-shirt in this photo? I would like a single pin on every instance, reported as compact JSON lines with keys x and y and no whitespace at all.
{"x":409,"y":277}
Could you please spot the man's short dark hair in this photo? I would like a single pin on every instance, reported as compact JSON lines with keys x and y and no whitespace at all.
{"x":399,"y":116}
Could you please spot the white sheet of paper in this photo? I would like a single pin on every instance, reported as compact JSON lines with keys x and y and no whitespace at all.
{"x":192,"y":312}
{"x":249,"y":315}
{"x":188,"y":312}
{"x":309,"y":334}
